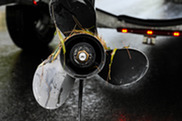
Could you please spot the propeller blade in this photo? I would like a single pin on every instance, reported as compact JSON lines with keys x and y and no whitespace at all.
{"x":126,"y":67}
{"x":67,"y":14}
{"x":51,"y":85}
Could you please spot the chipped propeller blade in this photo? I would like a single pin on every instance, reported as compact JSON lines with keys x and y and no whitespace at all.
{"x":51,"y":85}
{"x":124,"y":66}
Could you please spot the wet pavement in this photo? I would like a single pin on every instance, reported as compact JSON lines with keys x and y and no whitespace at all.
{"x":156,"y":97}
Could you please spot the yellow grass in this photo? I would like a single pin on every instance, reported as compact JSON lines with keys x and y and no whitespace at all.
{"x":2,"y":21}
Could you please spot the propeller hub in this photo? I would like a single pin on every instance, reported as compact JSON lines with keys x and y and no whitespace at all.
{"x":85,"y":56}
{"x":82,"y":55}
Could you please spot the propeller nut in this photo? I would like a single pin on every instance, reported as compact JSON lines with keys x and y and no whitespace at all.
{"x":82,"y":56}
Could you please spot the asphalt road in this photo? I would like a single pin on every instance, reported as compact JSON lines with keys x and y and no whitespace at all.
{"x":156,"y":97}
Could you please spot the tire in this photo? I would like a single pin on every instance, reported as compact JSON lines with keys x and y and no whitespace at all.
{"x":30,"y":27}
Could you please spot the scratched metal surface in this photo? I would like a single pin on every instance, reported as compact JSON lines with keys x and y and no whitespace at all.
{"x":51,"y":84}
{"x":157,"y":97}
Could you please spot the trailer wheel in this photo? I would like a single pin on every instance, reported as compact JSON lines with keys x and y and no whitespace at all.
{"x":175,"y":1}
{"x":30,"y":27}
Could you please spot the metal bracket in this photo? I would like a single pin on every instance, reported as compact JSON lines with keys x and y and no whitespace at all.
{"x":150,"y":40}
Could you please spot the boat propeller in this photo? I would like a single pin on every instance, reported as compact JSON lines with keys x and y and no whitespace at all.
{"x":82,"y":55}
